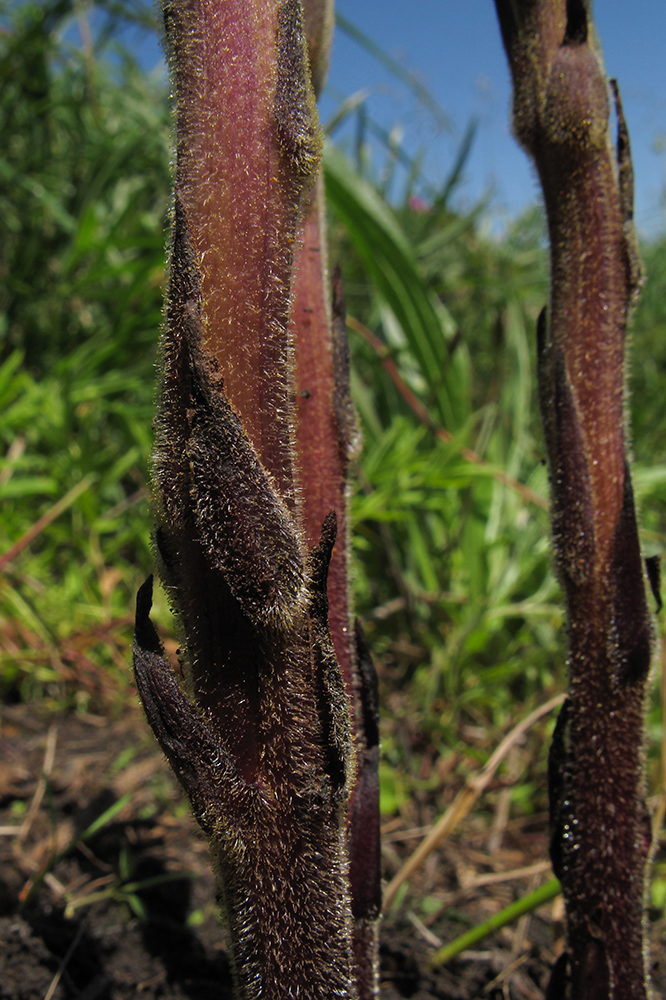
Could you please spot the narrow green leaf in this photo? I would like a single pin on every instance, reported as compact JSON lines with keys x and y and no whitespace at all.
{"x":507,"y":916}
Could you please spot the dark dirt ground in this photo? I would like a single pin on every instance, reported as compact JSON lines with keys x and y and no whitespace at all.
{"x":75,"y":936}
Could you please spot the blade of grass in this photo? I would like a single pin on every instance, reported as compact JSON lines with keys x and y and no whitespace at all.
{"x":103,"y":820}
{"x":549,"y":890}
{"x":390,"y":261}
{"x":47,"y":767}
{"x":456,"y":171}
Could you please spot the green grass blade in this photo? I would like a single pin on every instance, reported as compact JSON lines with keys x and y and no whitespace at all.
{"x":507,"y":916}
{"x":389,"y":259}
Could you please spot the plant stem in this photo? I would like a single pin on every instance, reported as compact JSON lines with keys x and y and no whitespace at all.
{"x":600,"y":831}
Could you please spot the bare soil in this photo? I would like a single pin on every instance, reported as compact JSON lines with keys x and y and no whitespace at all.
{"x":96,"y":920}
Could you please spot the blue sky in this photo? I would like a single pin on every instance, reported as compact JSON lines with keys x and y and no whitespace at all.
{"x":455,"y":49}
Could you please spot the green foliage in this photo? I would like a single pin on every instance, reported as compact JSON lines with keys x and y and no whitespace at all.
{"x":458,"y":559}
{"x":646,"y":387}
{"x":83,"y":188}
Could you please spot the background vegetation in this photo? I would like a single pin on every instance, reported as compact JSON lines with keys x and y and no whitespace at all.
{"x":451,"y":554}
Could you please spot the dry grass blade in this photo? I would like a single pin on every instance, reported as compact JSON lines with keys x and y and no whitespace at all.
{"x":464,"y":800}
{"x":63,"y":965}
{"x":49,"y":759}
{"x":496,"y":878}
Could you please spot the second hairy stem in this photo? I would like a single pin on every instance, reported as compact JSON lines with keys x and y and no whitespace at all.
{"x":600,"y":832}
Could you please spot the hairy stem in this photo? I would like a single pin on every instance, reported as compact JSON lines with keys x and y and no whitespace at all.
{"x":600,"y":831}
{"x":250,"y":504}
